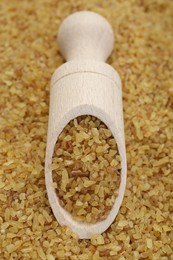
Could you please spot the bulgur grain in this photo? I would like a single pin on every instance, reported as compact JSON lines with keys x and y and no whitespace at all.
{"x":86,"y":175}
{"x":142,"y":55}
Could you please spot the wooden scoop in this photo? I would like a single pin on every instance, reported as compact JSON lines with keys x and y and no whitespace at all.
{"x":85,"y":85}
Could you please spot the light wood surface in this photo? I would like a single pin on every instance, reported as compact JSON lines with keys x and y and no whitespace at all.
{"x":85,"y":85}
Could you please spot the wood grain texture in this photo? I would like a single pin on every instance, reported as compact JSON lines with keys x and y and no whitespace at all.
{"x":84,"y":87}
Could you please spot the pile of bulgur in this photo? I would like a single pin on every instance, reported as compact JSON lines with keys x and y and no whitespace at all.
{"x":86,"y":169}
{"x":142,"y":55}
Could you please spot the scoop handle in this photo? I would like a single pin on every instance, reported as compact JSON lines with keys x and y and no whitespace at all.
{"x":85,"y":35}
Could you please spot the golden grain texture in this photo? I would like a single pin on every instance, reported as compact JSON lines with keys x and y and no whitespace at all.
{"x":142,"y":55}
{"x":86,"y":169}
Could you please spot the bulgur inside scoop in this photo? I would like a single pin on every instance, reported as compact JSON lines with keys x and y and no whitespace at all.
{"x":86,"y":169}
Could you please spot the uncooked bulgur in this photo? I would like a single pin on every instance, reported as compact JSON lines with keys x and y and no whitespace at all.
{"x":86,"y":169}
{"x":142,"y":55}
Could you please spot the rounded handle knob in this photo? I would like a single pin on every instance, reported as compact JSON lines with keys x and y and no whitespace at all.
{"x":85,"y":35}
